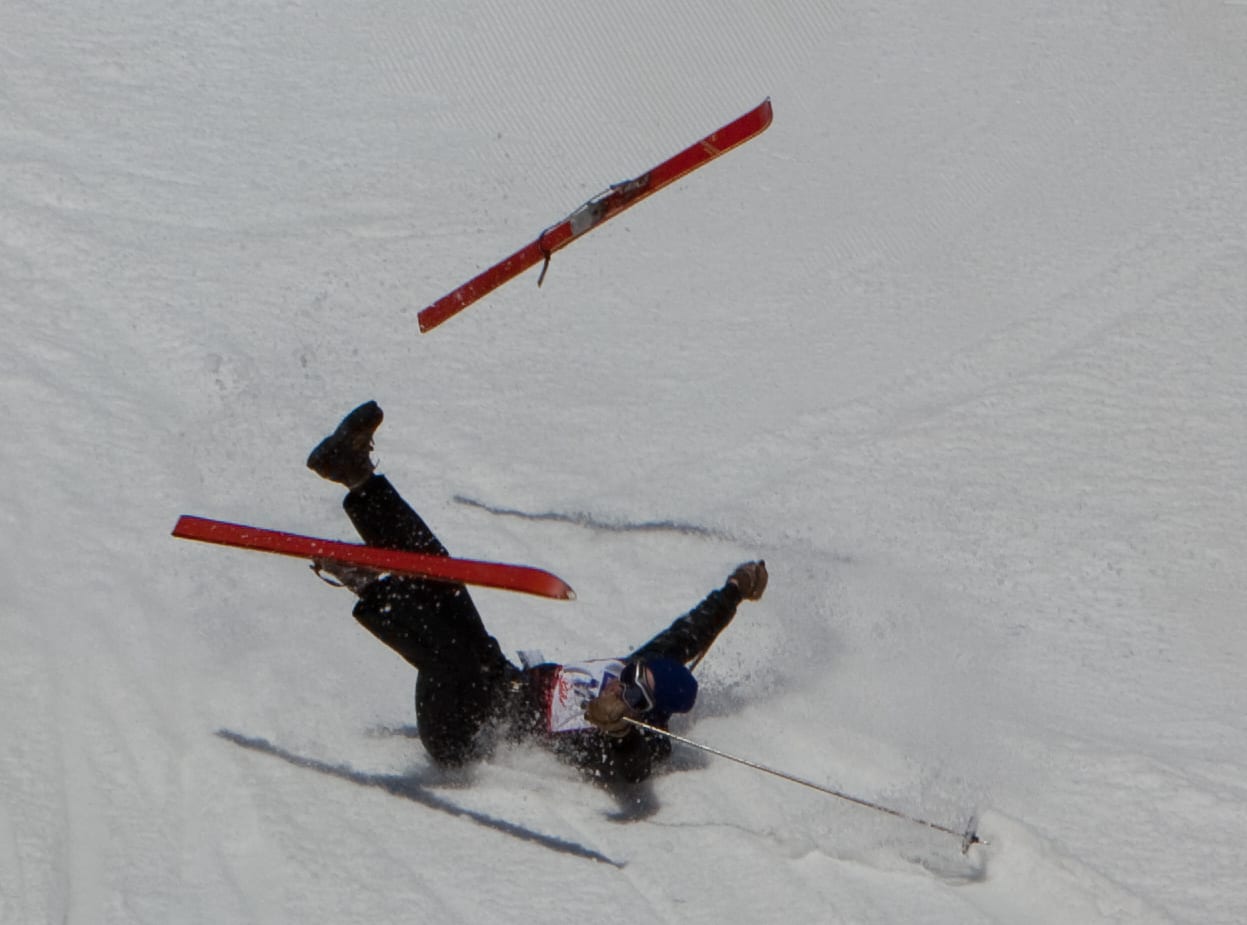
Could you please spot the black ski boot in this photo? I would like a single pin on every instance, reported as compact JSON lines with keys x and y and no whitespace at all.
{"x":343,"y":456}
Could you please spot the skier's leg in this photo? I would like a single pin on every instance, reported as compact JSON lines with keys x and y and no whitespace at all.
{"x":380,"y":515}
{"x":454,"y":712}
{"x":430,"y":624}
{"x":463,"y":675}
{"x":434,"y":626}
{"x":383,"y":518}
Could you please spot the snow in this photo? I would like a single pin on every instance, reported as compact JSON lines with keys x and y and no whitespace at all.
{"x":957,"y":346}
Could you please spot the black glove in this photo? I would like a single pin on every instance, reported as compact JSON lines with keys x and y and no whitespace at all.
{"x":750,"y":580}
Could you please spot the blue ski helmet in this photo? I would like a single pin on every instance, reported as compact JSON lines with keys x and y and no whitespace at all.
{"x":675,"y":688}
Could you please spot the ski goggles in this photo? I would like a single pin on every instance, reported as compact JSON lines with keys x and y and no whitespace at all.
{"x":634,"y":689}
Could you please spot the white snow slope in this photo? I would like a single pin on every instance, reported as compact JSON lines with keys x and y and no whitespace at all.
{"x":959,"y":346}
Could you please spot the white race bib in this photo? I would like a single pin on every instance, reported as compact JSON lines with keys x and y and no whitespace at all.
{"x":574,"y":686}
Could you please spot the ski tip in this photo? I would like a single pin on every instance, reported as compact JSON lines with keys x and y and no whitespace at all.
{"x":558,"y":589}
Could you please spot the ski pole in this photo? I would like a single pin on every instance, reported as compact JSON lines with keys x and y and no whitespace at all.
{"x":968,"y":837}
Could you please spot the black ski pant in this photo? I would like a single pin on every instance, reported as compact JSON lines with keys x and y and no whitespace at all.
{"x":462,"y":673}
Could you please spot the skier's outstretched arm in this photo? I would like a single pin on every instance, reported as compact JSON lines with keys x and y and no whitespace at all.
{"x":697,"y":630}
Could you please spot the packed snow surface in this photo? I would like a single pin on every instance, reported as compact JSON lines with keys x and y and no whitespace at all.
{"x":959,"y":346}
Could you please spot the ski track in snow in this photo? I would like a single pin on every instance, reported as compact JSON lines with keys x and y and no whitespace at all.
{"x":956,"y":346}
{"x":593,"y":522}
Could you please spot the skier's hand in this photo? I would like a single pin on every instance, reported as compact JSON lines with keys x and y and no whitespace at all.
{"x":750,"y":579}
{"x":608,"y":712}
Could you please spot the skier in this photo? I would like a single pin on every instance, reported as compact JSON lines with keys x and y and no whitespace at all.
{"x":467,"y":692}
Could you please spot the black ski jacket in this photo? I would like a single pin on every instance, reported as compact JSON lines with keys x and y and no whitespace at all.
{"x":629,"y":758}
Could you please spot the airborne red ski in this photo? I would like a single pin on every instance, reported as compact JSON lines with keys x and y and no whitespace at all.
{"x":620,"y":196}
{"x":438,"y":568}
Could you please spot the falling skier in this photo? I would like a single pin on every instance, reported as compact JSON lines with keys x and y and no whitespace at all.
{"x":468,"y":694}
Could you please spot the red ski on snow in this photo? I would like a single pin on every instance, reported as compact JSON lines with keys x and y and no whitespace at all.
{"x":620,"y":196}
{"x":438,"y":568}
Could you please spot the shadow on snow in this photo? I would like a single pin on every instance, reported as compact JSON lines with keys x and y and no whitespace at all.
{"x":410,"y":787}
{"x":634,"y":802}
{"x":590,"y":522}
